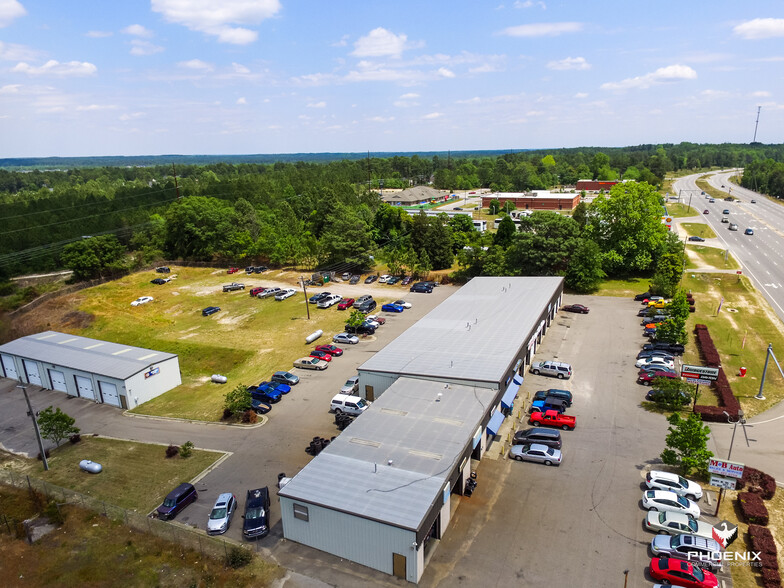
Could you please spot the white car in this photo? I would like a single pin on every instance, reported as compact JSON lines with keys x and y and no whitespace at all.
{"x":346,"y":339}
{"x":372,"y":322}
{"x":287,"y":293}
{"x":383,"y":279}
{"x":665,"y":501}
{"x":330,"y":300}
{"x":675,"y":523}
{"x":655,"y":362}
{"x":142,"y":300}
{"x":379,"y":320}
{"x":658,"y":480}
{"x":402,"y":303}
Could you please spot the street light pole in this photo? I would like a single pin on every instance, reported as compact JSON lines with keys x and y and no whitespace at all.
{"x":770,"y":354}
{"x":742,"y":421}
{"x":35,"y":426}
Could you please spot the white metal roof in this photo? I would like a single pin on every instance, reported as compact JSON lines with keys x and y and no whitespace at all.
{"x":473,"y":335}
{"x":113,"y":360}
{"x":421,"y":433}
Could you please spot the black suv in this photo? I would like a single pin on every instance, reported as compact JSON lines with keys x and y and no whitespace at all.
{"x":162,"y":270}
{"x":316,"y":298}
{"x":564,"y":395}
{"x":210,"y":310}
{"x":675,"y":348}
{"x":424,"y":287}
{"x":363,"y":329}
{"x":256,"y":517}
{"x":548,"y":437}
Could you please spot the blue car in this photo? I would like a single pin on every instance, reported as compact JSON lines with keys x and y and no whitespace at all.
{"x":282,"y":388}
{"x":392,"y":308}
{"x":265,"y":394}
{"x":260,"y":406}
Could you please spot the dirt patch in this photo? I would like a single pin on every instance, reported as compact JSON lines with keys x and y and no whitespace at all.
{"x":233,"y":320}
{"x":77,"y":319}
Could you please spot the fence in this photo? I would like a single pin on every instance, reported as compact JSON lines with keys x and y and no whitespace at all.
{"x":182,"y":535}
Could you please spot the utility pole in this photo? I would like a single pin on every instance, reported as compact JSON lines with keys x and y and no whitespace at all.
{"x":770,"y":354}
{"x":742,"y":421}
{"x":305,"y":290}
{"x":35,"y":426}
{"x":756,"y":124}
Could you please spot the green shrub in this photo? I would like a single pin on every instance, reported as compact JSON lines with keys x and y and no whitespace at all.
{"x":239,"y":557}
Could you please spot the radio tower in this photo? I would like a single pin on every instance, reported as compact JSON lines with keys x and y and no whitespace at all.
{"x":756,"y":124}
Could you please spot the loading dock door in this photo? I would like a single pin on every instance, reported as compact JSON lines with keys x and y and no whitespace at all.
{"x":109,"y":393}
{"x":31,"y":369}
{"x":399,"y":565}
{"x":58,"y":380}
{"x":9,"y":367}
{"x":85,"y":387}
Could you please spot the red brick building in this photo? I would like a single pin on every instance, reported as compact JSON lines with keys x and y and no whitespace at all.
{"x":594,"y":185}
{"x":536,"y":200}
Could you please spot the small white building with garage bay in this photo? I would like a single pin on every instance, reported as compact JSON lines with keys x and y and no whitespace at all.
{"x":104,"y":372}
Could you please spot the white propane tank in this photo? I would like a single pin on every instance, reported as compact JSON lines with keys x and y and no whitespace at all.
{"x":313,"y":336}
{"x":218,"y":379}
{"x":90,"y":466}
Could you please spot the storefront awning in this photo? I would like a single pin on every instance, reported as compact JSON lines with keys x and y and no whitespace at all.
{"x":511,"y":392}
{"x":495,"y":423}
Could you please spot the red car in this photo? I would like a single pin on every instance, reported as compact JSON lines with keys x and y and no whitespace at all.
{"x":553,"y":418}
{"x":646,"y":378}
{"x":681,"y":573}
{"x":232,"y":270}
{"x":346,"y":303}
{"x":331,"y":349}
{"x":579,"y":308}
{"x":321,"y":355}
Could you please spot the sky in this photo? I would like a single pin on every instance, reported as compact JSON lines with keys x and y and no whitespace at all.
{"x":150,"y":77}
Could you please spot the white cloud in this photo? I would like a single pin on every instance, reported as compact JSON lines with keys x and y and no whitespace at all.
{"x":55,"y":68}
{"x":381,"y":119}
{"x":219,"y":20}
{"x":474,"y":100}
{"x":137,"y":30}
{"x":10,"y":10}
{"x":98,"y":34}
{"x":445,"y":73}
{"x":14,"y":52}
{"x":196,"y":64}
{"x":321,"y":104}
{"x":760,"y":28}
{"x":760,"y":94}
{"x":10,"y":89}
{"x":409,"y":96}
{"x":581,"y":95}
{"x":380,"y":43}
{"x":141,"y":48}
{"x":529,"y":4}
{"x":239,"y":69}
{"x":95,"y":107}
{"x":663,"y":75}
{"x":433,"y":115}
{"x":342,"y":43}
{"x":543,"y":29}
{"x":569,"y":63}
{"x":714,"y":93}
{"x":534,"y":113}
{"x":484,"y":68}
{"x":131,"y":116}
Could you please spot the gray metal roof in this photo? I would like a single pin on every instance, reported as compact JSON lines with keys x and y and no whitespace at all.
{"x":81,"y":353}
{"x":472,"y":335}
{"x":421,"y":433}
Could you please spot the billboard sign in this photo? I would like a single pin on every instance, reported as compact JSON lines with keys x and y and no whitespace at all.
{"x":700,"y":372}
{"x":722,"y":482}
{"x":733,"y":469}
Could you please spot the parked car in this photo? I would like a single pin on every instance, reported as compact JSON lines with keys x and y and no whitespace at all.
{"x":363,"y":329}
{"x":142,"y":300}
{"x":346,"y":303}
{"x":676,"y":523}
{"x":655,"y":362}
{"x":349,"y":404}
{"x":578,"y":308}
{"x":249,"y":270}
{"x":682,"y":573}
{"x":330,"y":349}
{"x":232,"y":270}
{"x":556,"y":369}
{"x":647,"y":378}
{"x":260,"y":406}
{"x":321,"y":355}
{"x":540,"y":435}
{"x":162,"y":270}
{"x":160,"y":281}
{"x":367,"y":306}
{"x":345,"y":276}
{"x":657,"y":368}
{"x":705,"y":553}
{"x":370,"y":279}
{"x":393,"y":280}
{"x":655,"y":319}
{"x":351,"y":386}
{"x":641,"y":297}
{"x":371,"y":323}
{"x":233,"y":286}
{"x":255,"y":521}
{"x":383,"y":279}
{"x":674,"y":348}
{"x":389,"y":307}
{"x":345,"y":339}
{"x":318,"y":297}
{"x":268,"y":292}
{"x":376,"y":319}
{"x":257,"y":290}
{"x":753,"y":201}
{"x":284,"y":378}
{"x":220,"y":517}
{"x":268,"y":394}
{"x":328,"y":301}
{"x":260,"y":269}
{"x":210,"y":310}
{"x":287,"y":293}
{"x":696,"y":238}
{"x":278,"y":387}
{"x":658,"y":480}
{"x":354,"y":279}
{"x":649,"y":332}
{"x":537,"y":453}
{"x":549,"y":403}
{"x":361,"y":300}
{"x":311,"y":363}
{"x":176,"y":501}
{"x":564,"y":395}
{"x":402,"y":303}
{"x":666,"y":501}
{"x":406,"y":281}
{"x":553,"y":418}
{"x":421,"y":287}
{"x":748,"y":232}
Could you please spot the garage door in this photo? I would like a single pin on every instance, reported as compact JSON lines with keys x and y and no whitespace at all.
{"x":9,"y":367}
{"x":85,"y":387}
{"x":58,"y":380}
{"x":109,"y":393}
{"x":31,"y":369}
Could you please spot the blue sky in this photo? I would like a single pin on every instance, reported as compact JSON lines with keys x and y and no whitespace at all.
{"x":134,"y":77}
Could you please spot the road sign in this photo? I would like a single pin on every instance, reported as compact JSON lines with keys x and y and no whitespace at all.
{"x":722,"y":482}
{"x":699,"y":381}
{"x":733,"y":469}
{"x":699,"y":372}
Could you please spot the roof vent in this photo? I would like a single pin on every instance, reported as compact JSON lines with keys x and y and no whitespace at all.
{"x":389,"y":462}
{"x":438,"y":397}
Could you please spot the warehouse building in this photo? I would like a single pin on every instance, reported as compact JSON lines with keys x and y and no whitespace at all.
{"x":109,"y":373}
{"x":381,"y":494}
{"x":535,"y":200}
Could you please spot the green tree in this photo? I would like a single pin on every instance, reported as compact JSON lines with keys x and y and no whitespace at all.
{"x":679,"y":306}
{"x":687,"y":444}
{"x":580,"y":214}
{"x":55,"y":425}
{"x":347,"y":237}
{"x":543,"y":246}
{"x":673,"y":393}
{"x":495,"y":206}
{"x":94,"y":257}
{"x":505,"y":232}
{"x":669,"y":270}
{"x":493,"y":263}
{"x":355,"y":319}
{"x":584,"y":273}
{"x":238,"y":400}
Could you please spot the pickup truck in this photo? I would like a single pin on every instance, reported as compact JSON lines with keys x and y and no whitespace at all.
{"x":553,"y":418}
{"x":233,"y":286}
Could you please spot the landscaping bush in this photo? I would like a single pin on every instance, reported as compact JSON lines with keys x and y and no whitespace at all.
{"x":758,"y":532}
{"x":754,"y":480}
{"x":75,"y":438}
{"x":770,"y":578}
{"x":46,"y":451}
{"x":769,"y":561}
{"x":249,"y":416}
{"x":753,"y":508}
{"x":239,"y":557}
{"x":722,"y":388}
{"x":186,"y":449}
{"x":227,"y":414}
{"x":172,"y":450}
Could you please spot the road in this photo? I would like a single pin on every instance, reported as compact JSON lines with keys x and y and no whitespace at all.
{"x":760,"y":254}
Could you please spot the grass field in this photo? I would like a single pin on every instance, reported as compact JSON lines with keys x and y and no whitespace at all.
{"x":678,"y":210}
{"x":703,"y":185}
{"x":625,"y":288}
{"x":135,"y":476}
{"x":701,"y":256}
{"x":699,"y":230}
{"x":92,"y":550}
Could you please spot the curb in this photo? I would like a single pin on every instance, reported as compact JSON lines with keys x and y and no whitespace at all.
{"x":262,"y":420}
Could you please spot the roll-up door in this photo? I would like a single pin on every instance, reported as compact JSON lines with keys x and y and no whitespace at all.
{"x":58,"y":380}
{"x":9,"y":367}
{"x":109,"y":393}
{"x":85,"y":387}
{"x":31,"y":369}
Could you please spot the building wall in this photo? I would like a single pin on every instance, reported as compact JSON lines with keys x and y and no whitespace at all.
{"x":594,"y":185}
{"x":568,"y":202}
{"x":141,"y":389}
{"x":360,"y":540}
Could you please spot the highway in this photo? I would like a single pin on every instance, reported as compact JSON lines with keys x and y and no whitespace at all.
{"x":761,"y":255}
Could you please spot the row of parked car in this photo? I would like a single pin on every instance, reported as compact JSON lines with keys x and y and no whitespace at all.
{"x":685,"y":552}
{"x":657,"y":359}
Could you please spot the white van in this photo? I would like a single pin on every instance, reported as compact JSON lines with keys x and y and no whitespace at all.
{"x":354,"y":405}
{"x":733,"y":227}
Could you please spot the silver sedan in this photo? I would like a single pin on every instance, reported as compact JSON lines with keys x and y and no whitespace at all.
{"x":536,"y":452}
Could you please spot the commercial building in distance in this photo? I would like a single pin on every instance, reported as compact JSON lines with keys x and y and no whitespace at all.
{"x":535,"y":200}
{"x":594,"y":185}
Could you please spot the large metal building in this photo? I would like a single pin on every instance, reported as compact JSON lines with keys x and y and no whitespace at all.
{"x":110,"y":373}
{"x":380,"y":492}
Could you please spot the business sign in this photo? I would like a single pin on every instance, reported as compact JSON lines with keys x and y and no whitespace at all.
{"x":732,"y":469}
{"x":699,"y":381}
{"x":699,"y":371}
{"x":722,"y":482}
{"x":152,"y":372}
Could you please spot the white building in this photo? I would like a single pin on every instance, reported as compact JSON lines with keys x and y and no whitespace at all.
{"x":101,"y":371}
